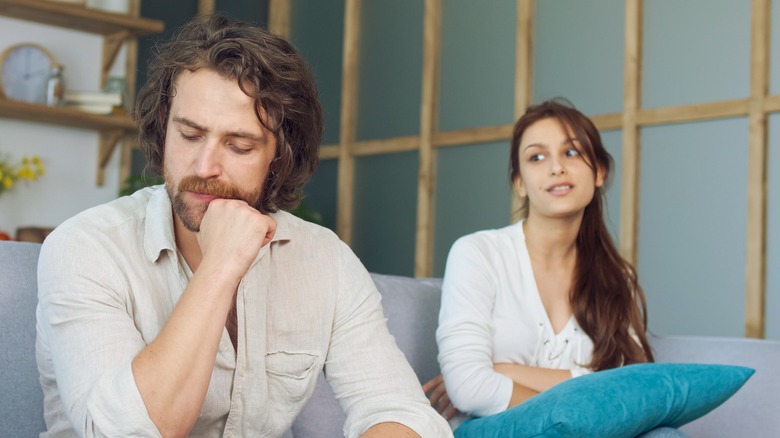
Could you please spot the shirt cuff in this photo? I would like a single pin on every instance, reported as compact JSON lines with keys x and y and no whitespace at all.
{"x":117,"y":409}
{"x":579,"y":371}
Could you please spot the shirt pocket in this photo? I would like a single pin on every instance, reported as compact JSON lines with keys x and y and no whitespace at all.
{"x":292,"y":373}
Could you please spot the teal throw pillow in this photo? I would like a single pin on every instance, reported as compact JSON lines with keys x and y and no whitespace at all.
{"x":622,"y":402}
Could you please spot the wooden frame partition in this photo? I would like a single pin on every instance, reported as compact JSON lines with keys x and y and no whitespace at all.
{"x":756,"y":107}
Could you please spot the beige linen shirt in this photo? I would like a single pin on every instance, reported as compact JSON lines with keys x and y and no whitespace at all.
{"x":109,"y":279}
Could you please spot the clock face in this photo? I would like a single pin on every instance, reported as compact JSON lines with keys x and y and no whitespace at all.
{"x":25,"y":72}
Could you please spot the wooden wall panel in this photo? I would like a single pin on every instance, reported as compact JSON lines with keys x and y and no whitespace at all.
{"x":756,"y":107}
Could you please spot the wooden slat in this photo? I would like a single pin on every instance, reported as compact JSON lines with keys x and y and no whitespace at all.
{"x":524,"y":44}
{"x":607,"y":122}
{"x":108,"y":141}
{"x":206,"y":7}
{"x":328,"y":152}
{"x":386,"y":146}
{"x":629,"y":201}
{"x":693,"y":113}
{"x":524,"y":49}
{"x":755,"y":272}
{"x":489,"y":134}
{"x":131,"y":67}
{"x":79,"y":17}
{"x":772,"y":104}
{"x":130,"y":141}
{"x":126,"y":159}
{"x":475,"y":135}
{"x":279,"y":17}
{"x":347,"y":127}
{"x":423,"y":259}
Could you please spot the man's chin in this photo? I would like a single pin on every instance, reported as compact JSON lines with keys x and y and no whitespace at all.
{"x":188,"y":214}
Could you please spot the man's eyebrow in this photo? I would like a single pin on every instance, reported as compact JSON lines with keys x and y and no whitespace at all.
{"x":237,"y":134}
{"x":188,"y":122}
{"x":247,"y":135}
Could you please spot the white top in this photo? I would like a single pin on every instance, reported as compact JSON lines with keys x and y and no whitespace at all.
{"x":110,"y":277}
{"x":491,"y":312}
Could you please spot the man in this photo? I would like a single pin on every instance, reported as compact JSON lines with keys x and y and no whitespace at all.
{"x":199,"y":308}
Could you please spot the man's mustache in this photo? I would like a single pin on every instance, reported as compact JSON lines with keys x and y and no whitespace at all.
{"x":211,"y":187}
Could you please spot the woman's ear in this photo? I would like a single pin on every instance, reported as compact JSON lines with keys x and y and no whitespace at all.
{"x":519,"y":187}
{"x":601,"y":175}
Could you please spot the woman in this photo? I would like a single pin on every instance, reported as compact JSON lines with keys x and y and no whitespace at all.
{"x":546,"y":299}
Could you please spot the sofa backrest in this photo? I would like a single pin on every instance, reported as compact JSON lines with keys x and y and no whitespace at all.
{"x":412,"y":308}
{"x":753,"y":410}
{"x":21,"y":399}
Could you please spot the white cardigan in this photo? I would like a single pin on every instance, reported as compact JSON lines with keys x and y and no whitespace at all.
{"x":491,"y":312}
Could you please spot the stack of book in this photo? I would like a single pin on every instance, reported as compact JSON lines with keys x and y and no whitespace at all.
{"x":96,"y":102}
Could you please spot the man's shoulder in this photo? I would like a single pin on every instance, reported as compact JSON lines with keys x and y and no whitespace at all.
{"x":126,"y":211}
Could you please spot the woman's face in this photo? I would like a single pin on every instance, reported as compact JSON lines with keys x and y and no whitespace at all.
{"x":554,"y":173}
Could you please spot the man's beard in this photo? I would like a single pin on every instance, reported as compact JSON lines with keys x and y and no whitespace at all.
{"x":192,"y":215}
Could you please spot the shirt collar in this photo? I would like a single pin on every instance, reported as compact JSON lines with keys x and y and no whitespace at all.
{"x":158,"y":227}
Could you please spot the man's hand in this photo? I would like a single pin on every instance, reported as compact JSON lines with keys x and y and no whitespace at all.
{"x":437,"y":394}
{"x":232,"y":233}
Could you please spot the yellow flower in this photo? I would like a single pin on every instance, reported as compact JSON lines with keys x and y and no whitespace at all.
{"x":30,"y":168}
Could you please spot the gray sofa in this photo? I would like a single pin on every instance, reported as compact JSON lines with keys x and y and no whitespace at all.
{"x":411,"y":307}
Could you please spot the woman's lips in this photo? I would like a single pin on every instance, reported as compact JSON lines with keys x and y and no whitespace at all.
{"x":560,"y":189}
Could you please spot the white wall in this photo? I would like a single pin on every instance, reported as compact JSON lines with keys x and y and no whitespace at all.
{"x":69,"y":154}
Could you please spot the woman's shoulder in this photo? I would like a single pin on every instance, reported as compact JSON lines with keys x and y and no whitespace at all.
{"x":496,"y":238}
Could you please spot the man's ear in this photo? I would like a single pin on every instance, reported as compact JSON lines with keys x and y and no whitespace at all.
{"x":519,"y":187}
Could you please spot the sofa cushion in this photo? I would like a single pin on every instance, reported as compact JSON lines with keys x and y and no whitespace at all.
{"x":21,"y":405}
{"x":620,"y":402}
{"x":411,"y":307}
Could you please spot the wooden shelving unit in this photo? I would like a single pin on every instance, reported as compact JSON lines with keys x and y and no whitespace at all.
{"x":116,"y":29}
{"x":79,"y":18}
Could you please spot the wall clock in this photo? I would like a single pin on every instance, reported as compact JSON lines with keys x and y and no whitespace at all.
{"x":24,"y":70}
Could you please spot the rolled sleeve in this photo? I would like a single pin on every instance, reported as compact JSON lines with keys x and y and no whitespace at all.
{"x":84,"y":320}
{"x":369,"y":374}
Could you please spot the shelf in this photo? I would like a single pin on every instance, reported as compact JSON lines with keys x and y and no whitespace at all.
{"x":64,"y":116}
{"x":112,"y":128}
{"x":79,"y":18}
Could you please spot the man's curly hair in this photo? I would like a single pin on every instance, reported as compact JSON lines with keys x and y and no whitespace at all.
{"x":267,"y":68}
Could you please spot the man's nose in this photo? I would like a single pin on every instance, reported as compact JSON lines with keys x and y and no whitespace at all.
{"x":208,"y":163}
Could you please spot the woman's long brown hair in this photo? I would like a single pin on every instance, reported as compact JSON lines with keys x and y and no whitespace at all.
{"x":606,"y":298}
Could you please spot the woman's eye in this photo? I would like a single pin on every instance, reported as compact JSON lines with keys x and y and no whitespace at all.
{"x":536,"y":157}
{"x":572,"y":152}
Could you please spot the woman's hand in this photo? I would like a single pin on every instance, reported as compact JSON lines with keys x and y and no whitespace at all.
{"x":437,"y":394}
